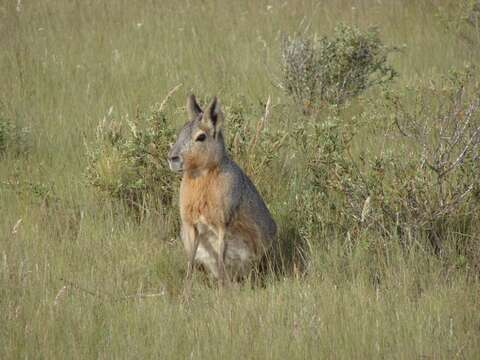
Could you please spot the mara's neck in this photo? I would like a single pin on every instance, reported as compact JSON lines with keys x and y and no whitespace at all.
{"x":212,"y":169}
{"x":213,"y":166}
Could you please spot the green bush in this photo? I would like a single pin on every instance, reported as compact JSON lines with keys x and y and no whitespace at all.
{"x":300,"y":70}
{"x":251,"y":140}
{"x":128,"y":159}
{"x":424,"y":185}
{"x":334,"y":70}
{"x":442,"y":122}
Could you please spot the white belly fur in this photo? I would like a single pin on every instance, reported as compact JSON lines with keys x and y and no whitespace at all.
{"x":238,"y":256}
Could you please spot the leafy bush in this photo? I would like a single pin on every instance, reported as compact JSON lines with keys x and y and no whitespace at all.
{"x":430,"y":188}
{"x":334,"y":70}
{"x":254,"y":146}
{"x":350,"y":63}
{"x":128,"y":160}
{"x":300,"y":70}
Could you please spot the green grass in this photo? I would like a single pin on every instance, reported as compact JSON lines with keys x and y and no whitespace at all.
{"x":63,"y":65}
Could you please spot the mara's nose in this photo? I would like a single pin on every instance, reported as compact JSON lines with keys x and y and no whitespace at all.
{"x":175,"y":162}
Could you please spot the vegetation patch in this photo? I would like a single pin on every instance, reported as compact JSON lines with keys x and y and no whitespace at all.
{"x":334,"y":69}
{"x":13,"y":137}
{"x":384,"y":193}
{"x":128,"y":159}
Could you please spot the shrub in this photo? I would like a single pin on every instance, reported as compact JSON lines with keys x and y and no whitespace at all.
{"x":255,"y":146}
{"x":444,"y":124}
{"x":350,"y":63}
{"x":300,"y":70}
{"x":128,"y":159}
{"x":431,"y":188}
{"x":334,"y":70}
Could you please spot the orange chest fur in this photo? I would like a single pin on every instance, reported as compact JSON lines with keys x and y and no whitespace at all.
{"x":200,"y":200}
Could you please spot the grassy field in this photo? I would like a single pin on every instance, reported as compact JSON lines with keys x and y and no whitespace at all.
{"x":81,"y":277}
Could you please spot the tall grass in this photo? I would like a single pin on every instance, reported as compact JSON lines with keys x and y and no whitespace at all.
{"x":80,"y":277}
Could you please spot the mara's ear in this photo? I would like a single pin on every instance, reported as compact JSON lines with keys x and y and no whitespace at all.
{"x":213,"y":116}
{"x":193,"y":109}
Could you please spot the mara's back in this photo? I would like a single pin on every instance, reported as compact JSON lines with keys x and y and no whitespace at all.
{"x":255,"y":209}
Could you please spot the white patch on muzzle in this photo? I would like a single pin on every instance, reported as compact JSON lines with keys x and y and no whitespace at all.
{"x":176,"y":166}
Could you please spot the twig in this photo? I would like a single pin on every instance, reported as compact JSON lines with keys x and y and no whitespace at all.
{"x":448,"y":207}
{"x":400,"y":129}
{"x":473,"y":140}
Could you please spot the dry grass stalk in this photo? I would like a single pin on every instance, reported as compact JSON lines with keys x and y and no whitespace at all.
{"x":169,"y":95}
{"x":261,"y":124}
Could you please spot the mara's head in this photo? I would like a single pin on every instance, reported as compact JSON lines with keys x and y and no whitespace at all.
{"x":200,"y":143}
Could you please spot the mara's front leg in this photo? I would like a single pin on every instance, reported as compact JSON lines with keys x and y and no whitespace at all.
{"x":190,"y":240}
{"x":221,"y":249}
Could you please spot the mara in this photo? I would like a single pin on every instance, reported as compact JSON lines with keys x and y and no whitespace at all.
{"x":226,"y":226}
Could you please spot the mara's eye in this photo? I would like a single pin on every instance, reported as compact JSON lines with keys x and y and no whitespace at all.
{"x":201,"y":137}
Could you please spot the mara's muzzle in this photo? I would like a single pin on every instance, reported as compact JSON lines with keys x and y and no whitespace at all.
{"x":175,"y":163}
